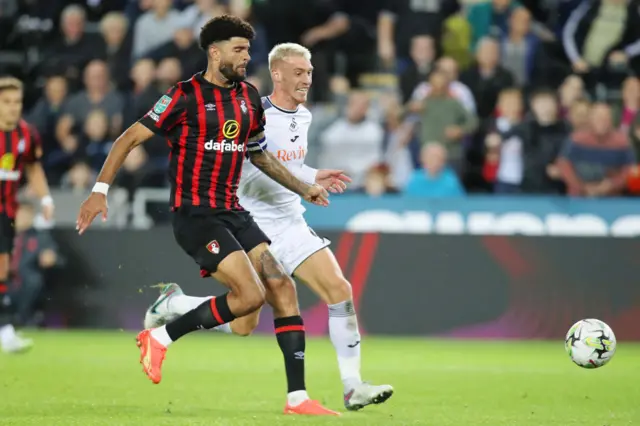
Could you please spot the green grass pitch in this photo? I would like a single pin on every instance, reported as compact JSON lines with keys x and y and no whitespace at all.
{"x":93,"y":378}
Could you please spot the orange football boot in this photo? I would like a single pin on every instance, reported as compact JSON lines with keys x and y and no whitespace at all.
{"x":309,"y":408}
{"x":151,"y":355}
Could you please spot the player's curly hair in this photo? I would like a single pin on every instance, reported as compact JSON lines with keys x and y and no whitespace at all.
{"x":223,"y":28}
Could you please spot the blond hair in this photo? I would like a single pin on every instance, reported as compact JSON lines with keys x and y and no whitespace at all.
{"x":284,"y":50}
{"x":10,"y":83}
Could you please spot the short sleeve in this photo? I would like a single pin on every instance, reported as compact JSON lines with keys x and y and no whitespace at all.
{"x":169,"y":111}
{"x":33,"y":151}
{"x":257,"y":140}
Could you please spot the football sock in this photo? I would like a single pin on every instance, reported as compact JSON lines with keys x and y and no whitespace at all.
{"x":291,"y":339}
{"x":209,"y":314}
{"x":7,"y":332}
{"x":345,"y":337}
{"x":181,"y":304}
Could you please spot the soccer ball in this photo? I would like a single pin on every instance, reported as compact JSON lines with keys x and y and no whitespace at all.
{"x":590,"y":343}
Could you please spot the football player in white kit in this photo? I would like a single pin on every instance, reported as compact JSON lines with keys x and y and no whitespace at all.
{"x":278,"y":212}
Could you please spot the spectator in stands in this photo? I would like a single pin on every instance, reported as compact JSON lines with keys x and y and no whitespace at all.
{"x":571,"y":90}
{"x":194,"y":17}
{"x":503,"y":160}
{"x":600,"y":35}
{"x":98,"y":94}
{"x":140,"y":170}
{"x":401,"y":20}
{"x":489,"y":19}
{"x":521,"y":52}
{"x":319,"y":24}
{"x":378,"y":181}
{"x":596,"y":162}
{"x":353,"y":143}
{"x":625,"y":112}
{"x":46,"y":112}
{"x":458,"y":90}
{"x":578,"y":115}
{"x":423,"y":55}
{"x":168,"y":73}
{"x":443,"y":118}
{"x":155,"y":27}
{"x":79,"y":178}
{"x":95,"y":142}
{"x":486,"y":77}
{"x":529,"y":151}
{"x":398,"y":134}
{"x":435,"y":179}
{"x":75,"y":49}
{"x":114,"y":27}
{"x":144,"y":93}
{"x":184,"y":48}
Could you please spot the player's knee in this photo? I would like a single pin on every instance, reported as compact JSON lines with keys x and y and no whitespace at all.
{"x":254,"y":299}
{"x":338,"y":289}
{"x":284,"y":292}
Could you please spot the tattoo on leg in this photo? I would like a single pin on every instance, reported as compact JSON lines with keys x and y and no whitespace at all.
{"x":270,"y":268}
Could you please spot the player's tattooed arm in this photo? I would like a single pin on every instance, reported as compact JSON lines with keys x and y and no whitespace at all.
{"x":273,"y":168}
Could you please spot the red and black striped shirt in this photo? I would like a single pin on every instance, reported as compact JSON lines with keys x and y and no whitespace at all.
{"x":208,"y":128}
{"x":17,"y":148}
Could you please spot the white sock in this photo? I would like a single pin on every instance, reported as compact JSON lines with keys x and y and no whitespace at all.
{"x":224,"y":328}
{"x":161,"y":335}
{"x":297,"y":397}
{"x":7,"y":334}
{"x":181,"y":304}
{"x":343,"y":330}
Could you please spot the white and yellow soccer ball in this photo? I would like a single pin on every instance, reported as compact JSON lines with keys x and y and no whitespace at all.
{"x":590,"y":343}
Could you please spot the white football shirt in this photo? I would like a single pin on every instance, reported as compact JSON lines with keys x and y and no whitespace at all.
{"x":286,"y":133}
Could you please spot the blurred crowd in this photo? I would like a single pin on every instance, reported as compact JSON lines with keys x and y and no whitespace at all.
{"x":432,"y":98}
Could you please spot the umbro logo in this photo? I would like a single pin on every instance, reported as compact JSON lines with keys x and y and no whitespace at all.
{"x":295,"y":138}
{"x":210,"y":107}
{"x":299,"y":355}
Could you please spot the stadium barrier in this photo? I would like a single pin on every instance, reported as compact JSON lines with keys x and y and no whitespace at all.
{"x":465,"y":286}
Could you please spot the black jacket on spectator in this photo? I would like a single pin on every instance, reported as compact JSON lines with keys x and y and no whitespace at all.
{"x":540,"y":148}
{"x":577,"y":28}
{"x":71,"y":59}
{"x":417,"y":18}
{"x":409,"y":80}
{"x":486,"y":90}
{"x":192,"y":59}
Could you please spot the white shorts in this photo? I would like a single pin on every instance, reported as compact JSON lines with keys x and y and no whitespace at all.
{"x":292,"y":241}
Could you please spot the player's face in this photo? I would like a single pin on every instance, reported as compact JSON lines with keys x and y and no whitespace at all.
{"x":234,"y":58}
{"x":295,"y":74}
{"x":10,"y":107}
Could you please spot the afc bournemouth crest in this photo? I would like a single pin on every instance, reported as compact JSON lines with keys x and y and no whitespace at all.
{"x":162,"y":104}
{"x":243,"y":106}
{"x":213,"y":247}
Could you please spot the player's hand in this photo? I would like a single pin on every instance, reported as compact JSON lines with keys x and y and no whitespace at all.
{"x":332,"y":180}
{"x":95,"y":204}
{"x":317,"y":195}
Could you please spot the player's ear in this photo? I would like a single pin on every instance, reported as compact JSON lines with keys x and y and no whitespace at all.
{"x":214,"y":52}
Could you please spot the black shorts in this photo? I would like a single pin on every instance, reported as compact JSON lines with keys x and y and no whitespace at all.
{"x":208,"y":237}
{"x":7,"y":233}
